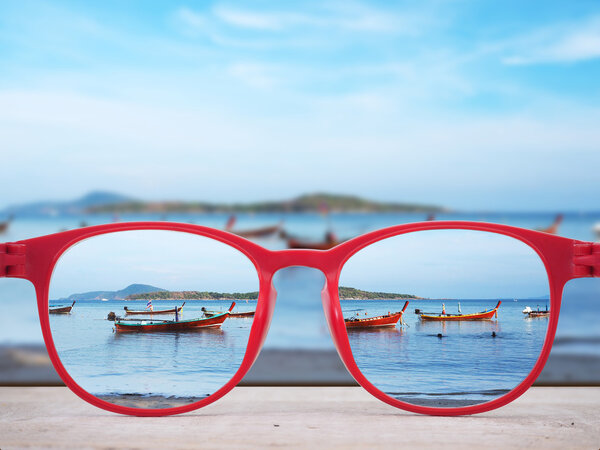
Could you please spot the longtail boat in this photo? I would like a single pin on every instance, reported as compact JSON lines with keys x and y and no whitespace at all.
{"x":155,"y":312}
{"x":122,"y":325}
{"x":483,"y":315}
{"x":257,"y":232}
{"x":325,"y":245}
{"x":61,"y":309}
{"x":539,"y":313}
{"x":389,"y":320}
{"x":330,"y":241}
{"x":553,"y":228}
{"x":239,"y":314}
{"x":252,"y":233}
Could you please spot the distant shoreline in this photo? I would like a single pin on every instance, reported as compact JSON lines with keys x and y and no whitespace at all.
{"x":345,"y":293}
{"x":315,"y":203}
{"x":202,"y":299}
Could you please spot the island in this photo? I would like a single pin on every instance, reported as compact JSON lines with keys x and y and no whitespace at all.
{"x":308,"y":203}
{"x":348,"y":293}
{"x":194,"y":295}
{"x":345,"y":293}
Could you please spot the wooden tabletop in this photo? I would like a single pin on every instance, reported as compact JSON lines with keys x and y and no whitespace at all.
{"x":300,"y":417}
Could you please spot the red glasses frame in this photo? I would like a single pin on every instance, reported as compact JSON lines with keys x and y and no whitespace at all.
{"x":564,"y":259}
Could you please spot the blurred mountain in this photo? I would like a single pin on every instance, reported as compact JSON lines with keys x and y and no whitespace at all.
{"x":132,"y":289}
{"x":113,"y":203}
{"x":318,"y":202}
{"x":56,"y":208}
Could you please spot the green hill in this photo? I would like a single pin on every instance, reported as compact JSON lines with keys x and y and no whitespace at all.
{"x":345,"y":293}
{"x":305,"y":203}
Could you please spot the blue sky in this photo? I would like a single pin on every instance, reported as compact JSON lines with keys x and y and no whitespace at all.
{"x":164,"y":259}
{"x":448,"y":264}
{"x":472,"y":105}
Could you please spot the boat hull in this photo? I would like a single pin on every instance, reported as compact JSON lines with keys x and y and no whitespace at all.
{"x":183,"y":325}
{"x":236,"y":315}
{"x":484,"y":315}
{"x":259,"y":232}
{"x":389,"y":320}
{"x":242,"y":314}
{"x":65,"y":310}
{"x":374,"y":322}
{"x":539,"y":314}
{"x":295,"y":243}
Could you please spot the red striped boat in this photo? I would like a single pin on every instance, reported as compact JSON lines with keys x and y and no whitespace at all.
{"x":389,"y":320}
{"x":121,"y":325}
{"x":147,"y":312}
{"x":483,"y":315}
{"x":257,"y":232}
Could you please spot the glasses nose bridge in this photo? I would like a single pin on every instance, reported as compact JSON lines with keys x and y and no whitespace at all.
{"x":314,"y":259}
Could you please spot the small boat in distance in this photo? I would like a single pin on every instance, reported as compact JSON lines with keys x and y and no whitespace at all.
{"x":4,"y":224}
{"x":389,"y":320}
{"x":483,"y":315}
{"x":155,"y":312}
{"x":252,"y":233}
{"x":151,"y":325}
{"x":539,"y":313}
{"x":61,"y":309}
{"x":553,"y":229}
{"x":330,"y":241}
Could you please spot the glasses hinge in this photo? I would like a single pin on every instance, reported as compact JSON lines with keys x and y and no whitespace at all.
{"x":12,"y":260}
{"x":586,"y":257}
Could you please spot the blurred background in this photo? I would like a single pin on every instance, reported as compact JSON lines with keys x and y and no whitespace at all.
{"x":300,"y":125}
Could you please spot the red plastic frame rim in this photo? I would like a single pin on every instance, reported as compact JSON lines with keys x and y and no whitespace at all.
{"x":42,"y":253}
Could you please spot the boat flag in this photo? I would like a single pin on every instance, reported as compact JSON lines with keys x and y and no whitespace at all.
{"x":230,"y":222}
{"x":149,"y":305}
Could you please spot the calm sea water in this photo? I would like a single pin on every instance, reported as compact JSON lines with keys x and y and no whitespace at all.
{"x":186,"y":364}
{"x":466,"y":364}
{"x":470,"y":364}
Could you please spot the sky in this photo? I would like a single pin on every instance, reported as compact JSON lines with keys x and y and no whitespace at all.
{"x":465,"y":104}
{"x":432,"y":264}
{"x":449,"y":264}
{"x":164,"y":259}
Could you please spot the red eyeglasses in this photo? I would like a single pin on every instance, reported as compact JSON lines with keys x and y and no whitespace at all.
{"x":155,"y":318}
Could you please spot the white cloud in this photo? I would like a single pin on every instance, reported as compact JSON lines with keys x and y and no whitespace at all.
{"x":327,"y":17}
{"x":561,"y":44}
{"x":255,"y":20}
